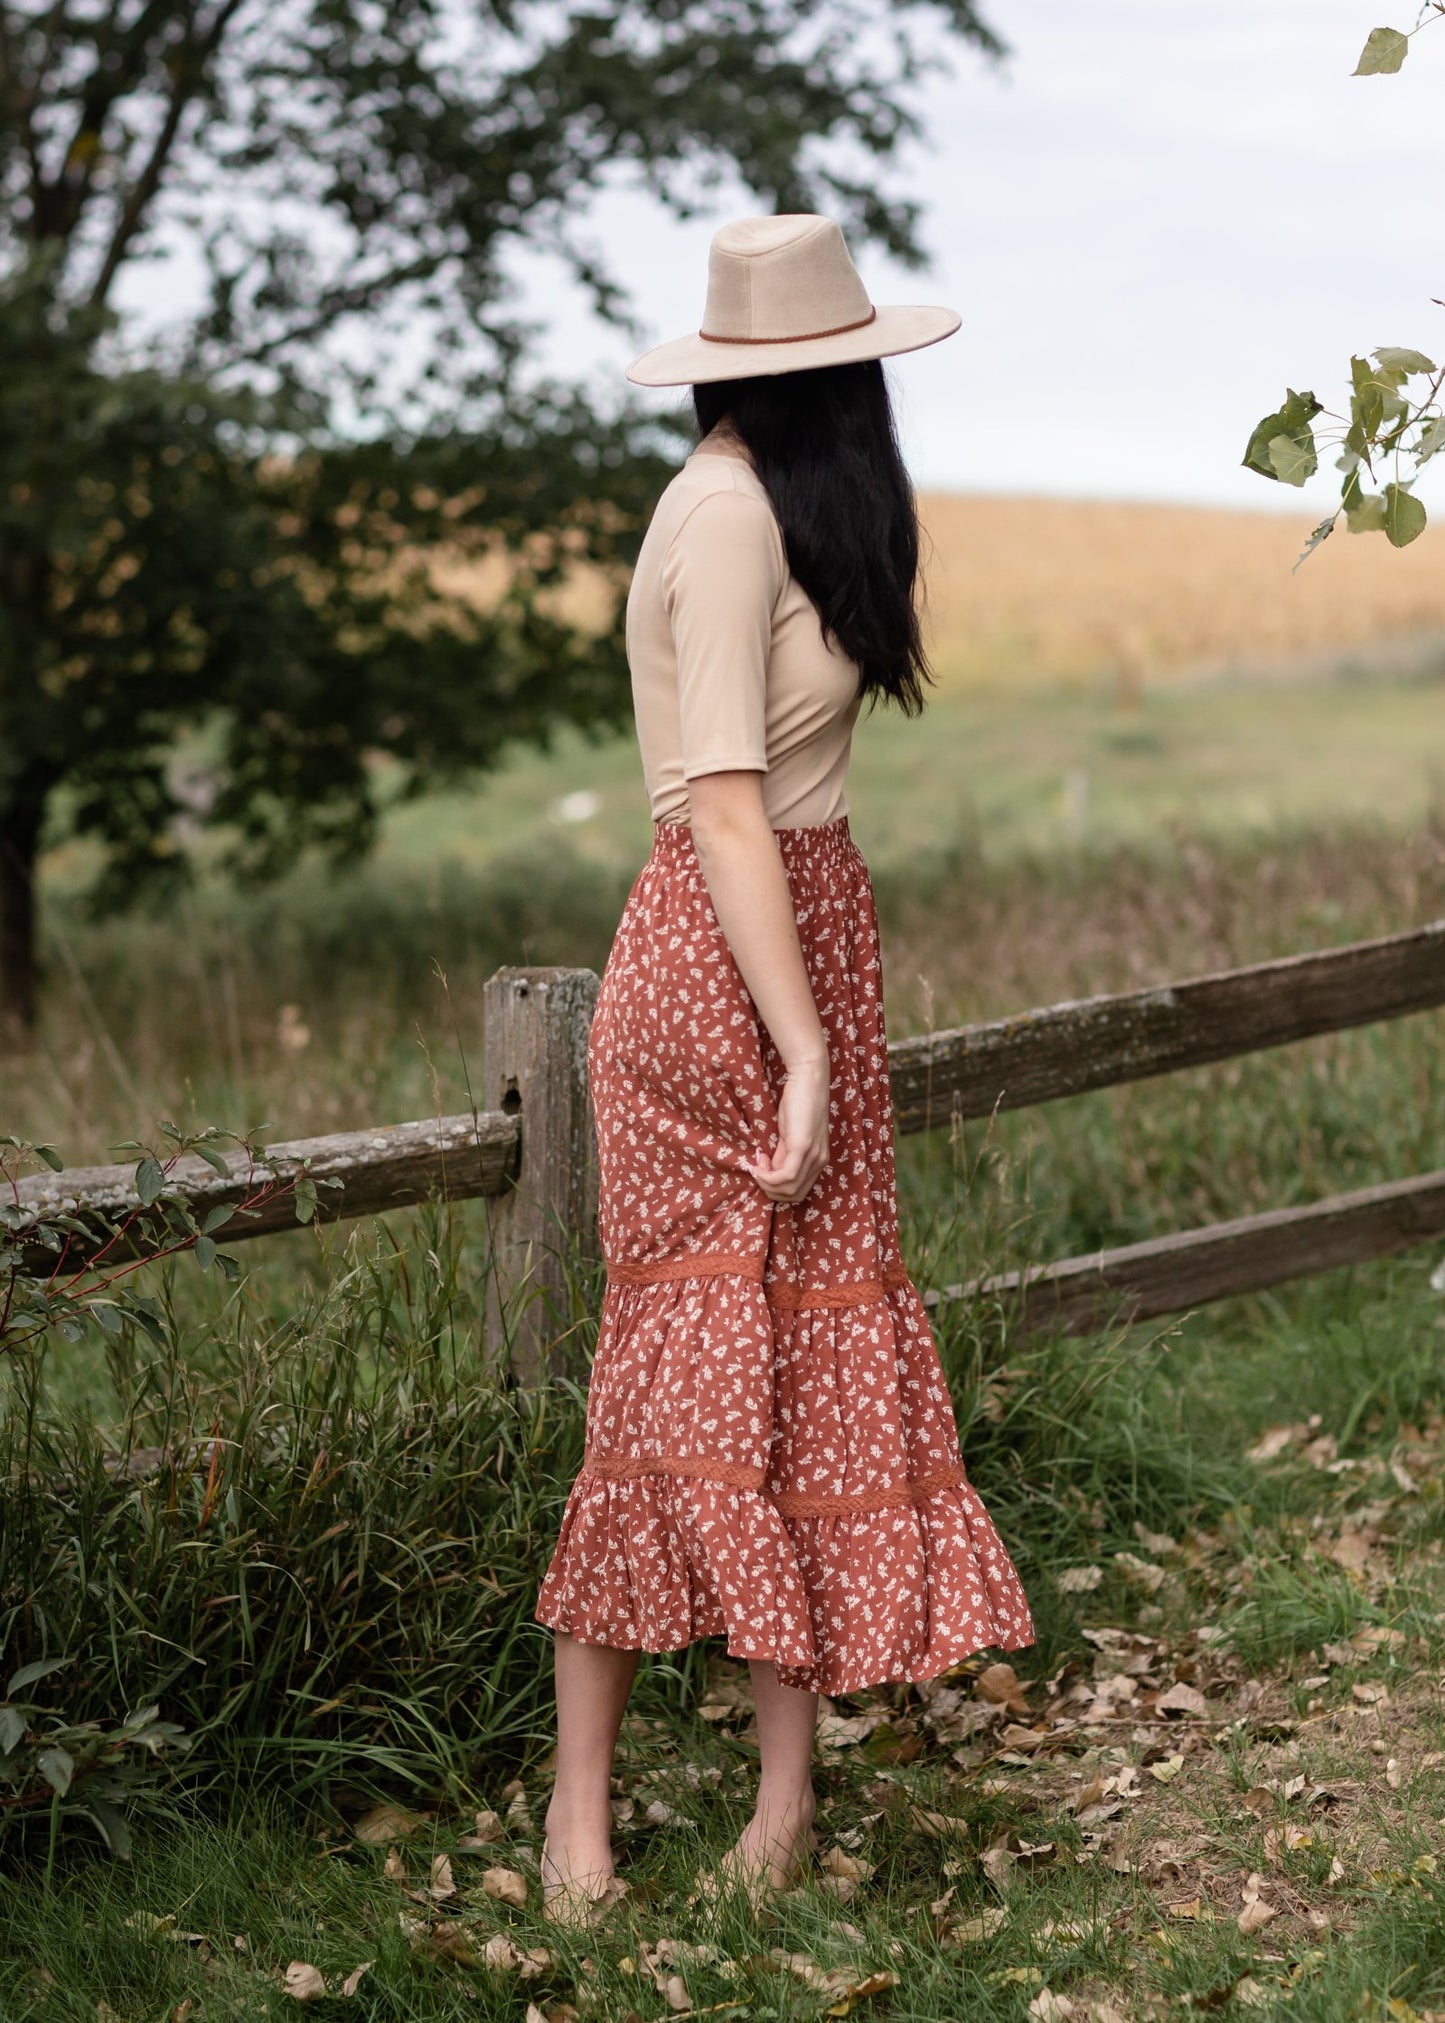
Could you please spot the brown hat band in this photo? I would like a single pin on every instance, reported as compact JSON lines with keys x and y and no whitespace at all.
{"x":800,"y":337}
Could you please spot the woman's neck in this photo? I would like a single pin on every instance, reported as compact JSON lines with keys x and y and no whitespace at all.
{"x":722,"y":440}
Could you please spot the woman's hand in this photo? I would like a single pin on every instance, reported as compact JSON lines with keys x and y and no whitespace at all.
{"x":786,"y":1174}
{"x":748,"y":884}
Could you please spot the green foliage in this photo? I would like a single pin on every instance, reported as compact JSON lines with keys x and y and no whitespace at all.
{"x":60,"y":1269}
{"x":315,"y":1541}
{"x":1284,"y":438}
{"x":54,"y":1769}
{"x":230,"y":528}
{"x":1382,"y":422}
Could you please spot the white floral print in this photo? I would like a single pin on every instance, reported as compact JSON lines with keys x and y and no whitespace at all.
{"x":771,"y":1449}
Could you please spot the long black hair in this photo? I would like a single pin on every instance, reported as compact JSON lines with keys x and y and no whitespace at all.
{"x":825,"y":446}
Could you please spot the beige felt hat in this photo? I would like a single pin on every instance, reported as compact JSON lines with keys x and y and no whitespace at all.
{"x":783,"y":295}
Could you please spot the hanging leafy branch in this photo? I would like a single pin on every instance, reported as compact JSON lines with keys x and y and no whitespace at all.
{"x":1391,"y":430}
{"x":59,"y":1270}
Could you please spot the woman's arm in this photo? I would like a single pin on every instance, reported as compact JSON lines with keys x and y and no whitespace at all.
{"x":749,"y":890}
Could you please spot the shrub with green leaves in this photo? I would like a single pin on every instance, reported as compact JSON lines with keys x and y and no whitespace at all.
{"x":54,"y":1768}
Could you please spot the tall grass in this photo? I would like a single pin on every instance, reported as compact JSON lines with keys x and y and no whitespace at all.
{"x":311,"y":1521}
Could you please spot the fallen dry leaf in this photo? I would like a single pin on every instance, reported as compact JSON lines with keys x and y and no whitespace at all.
{"x":442,"y":1885}
{"x":445,"y":1940}
{"x":1182,"y":1699}
{"x":1392,"y":1774}
{"x":1168,"y":1770}
{"x":1068,"y":1931}
{"x":999,"y":1685}
{"x":847,"y":1866}
{"x":1273,"y":1443}
{"x":1023,"y":1740}
{"x":303,"y":1982}
{"x":506,"y":1886}
{"x":387,"y":1822}
{"x":1260,"y":1800}
{"x":489,"y":1830}
{"x":859,"y":1991}
{"x":842,"y":1731}
{"x":1194,"y":1910}
{"x":1051,"y":2008}
{"x":504,"y":1956}
{"x":1368,"y":1694}
{"x":973,"y":1931}
{"x":1079,"y":1580}
{"x":519,"y":1816}
{"x":1351,"y":1551}
{"x":1255,"y":1916}
{"x":942,"y":1824}
{"x":353,"y":1980}
{"x":1142,"y":1572}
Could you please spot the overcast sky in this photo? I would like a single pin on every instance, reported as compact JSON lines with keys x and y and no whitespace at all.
{"x":1151,"y":219}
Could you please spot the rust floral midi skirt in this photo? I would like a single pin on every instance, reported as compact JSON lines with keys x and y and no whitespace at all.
{"x":771,"y":1449}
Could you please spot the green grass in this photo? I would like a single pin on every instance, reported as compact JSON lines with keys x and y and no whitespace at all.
{"x":335,"y":1597}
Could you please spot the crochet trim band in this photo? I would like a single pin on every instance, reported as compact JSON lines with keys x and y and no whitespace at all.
{"x":692,"y":1467}
{"x":731,"y":1475}
{"x":787,"y":1298}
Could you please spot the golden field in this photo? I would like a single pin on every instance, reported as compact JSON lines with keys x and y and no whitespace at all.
{"x":1063,"y":589}
{"x":1077,"y":590}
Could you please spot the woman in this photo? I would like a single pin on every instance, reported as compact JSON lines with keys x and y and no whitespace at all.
{"x":771,"y":1451}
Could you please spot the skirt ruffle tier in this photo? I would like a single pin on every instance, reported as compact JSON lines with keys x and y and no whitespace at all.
{"x":771,"y":1454}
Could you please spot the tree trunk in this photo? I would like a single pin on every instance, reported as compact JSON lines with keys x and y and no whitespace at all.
{"x":20,"y":825}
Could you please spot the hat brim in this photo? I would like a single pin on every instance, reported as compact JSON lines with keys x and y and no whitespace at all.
{"x":696,"y":360}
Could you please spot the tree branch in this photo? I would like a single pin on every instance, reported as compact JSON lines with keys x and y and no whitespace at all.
{"x":190,"y":75}
{"x":60,"y":203}
{"x":19,"y":97}
{"x":342,"y":302}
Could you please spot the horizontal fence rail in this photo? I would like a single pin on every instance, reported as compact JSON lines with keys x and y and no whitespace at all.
{"x":1067,"y":1049}
{"x":390,"y":1166}
{"x":1166,"y":1275}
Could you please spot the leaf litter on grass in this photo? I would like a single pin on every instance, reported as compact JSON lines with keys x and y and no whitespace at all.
{"x":1201,"y":1790}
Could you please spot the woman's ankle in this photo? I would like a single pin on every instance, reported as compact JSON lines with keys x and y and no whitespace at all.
{"x":577,"y":1815}
{"x":789,"y":1811}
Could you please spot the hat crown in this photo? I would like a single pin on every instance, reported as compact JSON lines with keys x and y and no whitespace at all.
{"x":780,"y":278}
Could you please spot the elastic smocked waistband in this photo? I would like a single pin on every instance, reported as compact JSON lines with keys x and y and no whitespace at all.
{"x":813,"y":842}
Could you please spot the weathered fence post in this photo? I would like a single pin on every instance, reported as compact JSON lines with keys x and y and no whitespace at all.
{"x":537,"y":1022}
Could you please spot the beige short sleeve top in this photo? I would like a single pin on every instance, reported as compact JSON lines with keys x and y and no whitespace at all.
{"x":729,"y":668}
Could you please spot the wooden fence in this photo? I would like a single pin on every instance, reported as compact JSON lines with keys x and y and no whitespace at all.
{"x":531,"y":1146}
